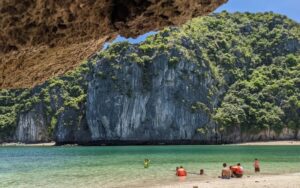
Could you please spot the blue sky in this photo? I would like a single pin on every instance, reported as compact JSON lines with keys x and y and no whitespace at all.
{"x":290,"y":8}
{"x":131,"y":40}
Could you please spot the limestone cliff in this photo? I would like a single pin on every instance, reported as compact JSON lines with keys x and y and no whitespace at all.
{"x":32,"y":127}
{"x":148,"y":101}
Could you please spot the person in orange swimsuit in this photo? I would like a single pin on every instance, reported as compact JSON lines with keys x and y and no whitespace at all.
{"x":181,"y":172}
{"x":237,"y":171}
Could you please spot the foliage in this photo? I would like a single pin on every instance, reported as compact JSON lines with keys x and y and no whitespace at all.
{"x":200,"y":106}
{"x":69,"y":90}
{"x":173,"y":61}
{"x":269,"y":99}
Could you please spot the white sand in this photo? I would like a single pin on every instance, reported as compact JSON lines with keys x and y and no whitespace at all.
{"x":269,"y":143}
{"x":22,"y":144}
{"x":257,"y":181}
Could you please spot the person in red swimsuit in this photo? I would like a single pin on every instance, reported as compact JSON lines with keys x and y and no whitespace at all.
{"x":237,"y":171}
{"x":181,"y":171}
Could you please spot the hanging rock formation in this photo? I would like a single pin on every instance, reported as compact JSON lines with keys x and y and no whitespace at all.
{"x":40,"y":39}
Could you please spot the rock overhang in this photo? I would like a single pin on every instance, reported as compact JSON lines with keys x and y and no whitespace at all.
{"x":40,"y":39}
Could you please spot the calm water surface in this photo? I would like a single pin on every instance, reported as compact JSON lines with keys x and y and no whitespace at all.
{"x":123,"y":166}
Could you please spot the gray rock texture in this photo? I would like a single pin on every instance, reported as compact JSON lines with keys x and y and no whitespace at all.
{"x":32,"y":127}
{"x":147,"y":102}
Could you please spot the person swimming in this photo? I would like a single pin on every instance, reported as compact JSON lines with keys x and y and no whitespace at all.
{"x":201,"y":171}
{"x":146,"y":163}
{"x":181,"y":171}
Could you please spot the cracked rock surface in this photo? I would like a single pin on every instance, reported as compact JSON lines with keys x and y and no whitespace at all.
{"x":40,"y":39}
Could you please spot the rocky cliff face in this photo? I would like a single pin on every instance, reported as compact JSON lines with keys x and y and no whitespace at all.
{"x":151,"y":101}
{"x":32,"y":127}
{"x":61,"y":34}
{"x":164,"y":90}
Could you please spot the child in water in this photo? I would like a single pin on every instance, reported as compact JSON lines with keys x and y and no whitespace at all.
{"x":146,"y":163}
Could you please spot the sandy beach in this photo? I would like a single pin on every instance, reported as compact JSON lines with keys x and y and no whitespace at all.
{"x":257,"y":181}
{"x":22,"y":144}
{"x":270,"y":143}
{"x":266,"y":143}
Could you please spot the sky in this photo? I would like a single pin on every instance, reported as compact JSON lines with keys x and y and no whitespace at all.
{"x":139,"y":39}
{"x":290,"y":8}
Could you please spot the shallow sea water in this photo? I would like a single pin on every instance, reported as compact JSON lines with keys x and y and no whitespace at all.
{"x":122,"y":166}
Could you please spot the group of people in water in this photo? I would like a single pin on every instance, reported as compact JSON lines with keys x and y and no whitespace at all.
{"x":236,"y":171}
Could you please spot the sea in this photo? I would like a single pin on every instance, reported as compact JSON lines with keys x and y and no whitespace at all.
{"x":122,"y":166}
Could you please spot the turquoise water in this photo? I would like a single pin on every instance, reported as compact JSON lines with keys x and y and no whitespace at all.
{"x":123,"y":166}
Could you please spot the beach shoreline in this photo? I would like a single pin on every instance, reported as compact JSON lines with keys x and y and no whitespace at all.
{"x":271,"y":143}
{"x":259,"y":143}
{"x":253,"y":181}
{"x":17,"y":144}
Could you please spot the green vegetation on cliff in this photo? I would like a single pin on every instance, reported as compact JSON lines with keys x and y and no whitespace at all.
{"x":268,"y":99}
{"x":55,"y":95}
{"x":255,"y":57}
{"x":253,"y":60}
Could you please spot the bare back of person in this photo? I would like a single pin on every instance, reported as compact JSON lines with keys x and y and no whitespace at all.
{"x":226,"y":173}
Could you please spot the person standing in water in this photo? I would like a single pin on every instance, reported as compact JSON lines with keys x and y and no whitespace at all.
{"x":146,"y":163}
{"x":256,"y":166}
